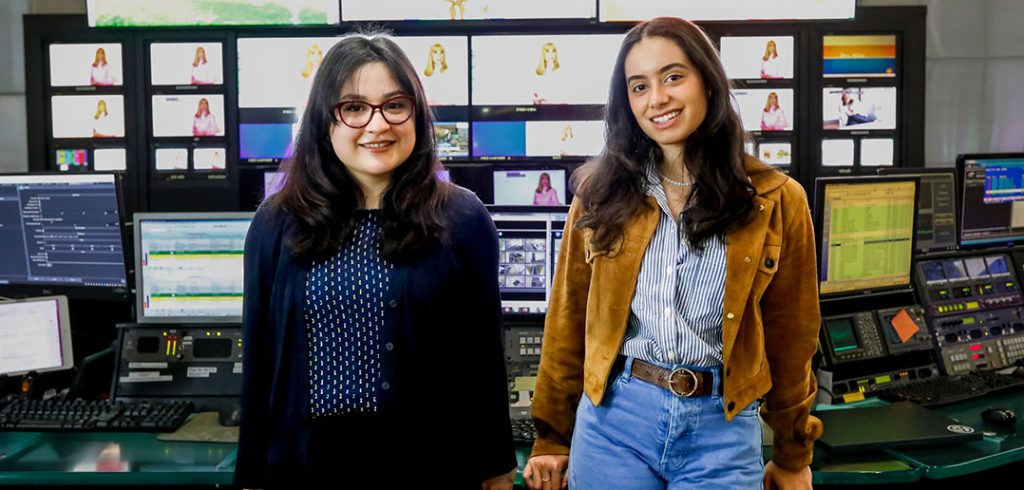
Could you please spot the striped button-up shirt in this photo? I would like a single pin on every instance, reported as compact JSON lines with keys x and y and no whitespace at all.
{"x":676,"y":313}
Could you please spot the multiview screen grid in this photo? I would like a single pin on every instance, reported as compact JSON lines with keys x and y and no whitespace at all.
{"x":192,"y":268}
{"x":867,"y":236}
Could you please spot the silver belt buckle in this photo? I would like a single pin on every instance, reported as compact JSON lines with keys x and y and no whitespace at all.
{"x":683,"y":371}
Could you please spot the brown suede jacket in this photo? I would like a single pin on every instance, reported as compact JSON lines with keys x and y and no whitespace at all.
{"x":769,"y":324}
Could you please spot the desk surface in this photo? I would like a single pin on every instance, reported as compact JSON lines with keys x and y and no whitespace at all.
{"x":56,"y":458}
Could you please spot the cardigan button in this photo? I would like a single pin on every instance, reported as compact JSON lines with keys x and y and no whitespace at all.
{"x":746,"y":259}
{"x":769,"y":262}
{"x":732,"y":406}
{"x":730,"y":315}
{"x":761,"y":207}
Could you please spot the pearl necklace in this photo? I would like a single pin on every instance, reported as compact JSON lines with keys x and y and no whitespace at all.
{"x":675,"y":182}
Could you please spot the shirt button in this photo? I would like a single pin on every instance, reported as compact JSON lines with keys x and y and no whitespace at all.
{"x":668,"y":269}
{"x":730,"y":315}
{"x":389,"y":346}
{"x":393,"y":303}
{"x":670,"y":356}
{"x":668,"y":311}
{"x":385,"y":385}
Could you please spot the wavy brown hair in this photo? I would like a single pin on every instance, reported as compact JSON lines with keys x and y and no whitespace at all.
{"x":320,"y":194}
{"x":612,"y":186}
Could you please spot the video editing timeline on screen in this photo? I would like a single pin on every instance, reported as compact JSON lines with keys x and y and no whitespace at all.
{"x":61,"y":230}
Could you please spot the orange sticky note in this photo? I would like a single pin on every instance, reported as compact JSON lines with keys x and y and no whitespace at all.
{"x":904,"y":325}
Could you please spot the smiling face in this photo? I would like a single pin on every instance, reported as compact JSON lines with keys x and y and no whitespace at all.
{"x":437,"y":54}
{"x":666,"y":92}
{"x":773,"y":100}
{"x":204,"y":106}
{"x":372,"y":153}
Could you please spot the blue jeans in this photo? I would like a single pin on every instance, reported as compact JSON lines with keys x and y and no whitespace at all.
{"x":644,"y":437}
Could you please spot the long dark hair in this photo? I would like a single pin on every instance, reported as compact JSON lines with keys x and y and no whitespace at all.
{"x":322,"y":196}
{"x":612,"y":186}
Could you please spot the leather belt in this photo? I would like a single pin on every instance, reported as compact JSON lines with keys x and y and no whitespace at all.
{"x":682,"y":382}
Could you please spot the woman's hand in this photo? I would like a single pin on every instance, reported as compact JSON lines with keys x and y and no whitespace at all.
{"x":547,"y":472}
{"x":778,"y":478}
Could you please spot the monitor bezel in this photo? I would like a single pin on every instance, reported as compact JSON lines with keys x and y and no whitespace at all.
{"x":961,"y":181}
{"x":818,"y":215}
{"x":64,"y":319}
{"x":915,"y":171}
{"x":77,"y":292}
{"x":137,"y":220}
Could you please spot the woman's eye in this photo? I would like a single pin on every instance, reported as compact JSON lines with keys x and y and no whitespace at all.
{"x":674,"y":78}
{"x":354,"y":108}
{"x":639,"y":87}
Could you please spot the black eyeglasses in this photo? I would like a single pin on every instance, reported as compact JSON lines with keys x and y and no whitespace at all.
{"x":358,"y":113}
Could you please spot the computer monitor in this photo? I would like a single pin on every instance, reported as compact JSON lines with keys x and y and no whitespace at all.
{"x":540,"y":97}
{"x":991,"y":199}
{"x":188,"y":266}
{"x":936,"y":207}
{"x":530,"y":187}
{"x":866,"y":231}
{"x":35,"y":335}
{"x":62,"y":234}
{"x":528,"y":244}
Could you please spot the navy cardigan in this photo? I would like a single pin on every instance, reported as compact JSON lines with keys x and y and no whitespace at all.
{"x":448,"y":358}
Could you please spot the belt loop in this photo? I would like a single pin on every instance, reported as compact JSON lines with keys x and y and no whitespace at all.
{"x":718,"y":389}
{"x":627,"y":370}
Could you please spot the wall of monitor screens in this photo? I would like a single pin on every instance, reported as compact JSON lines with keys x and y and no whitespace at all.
{"x":189,"y":111}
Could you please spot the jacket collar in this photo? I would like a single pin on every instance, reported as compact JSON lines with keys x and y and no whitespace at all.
{"x":764,"y":178}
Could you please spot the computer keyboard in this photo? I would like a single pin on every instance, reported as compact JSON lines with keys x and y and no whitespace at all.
{"x":522,"y":431}
{"x":950,"y":389}
{"x":99,"y":415}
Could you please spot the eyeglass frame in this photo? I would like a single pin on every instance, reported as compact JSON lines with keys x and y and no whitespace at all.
{"x":374,"y":108}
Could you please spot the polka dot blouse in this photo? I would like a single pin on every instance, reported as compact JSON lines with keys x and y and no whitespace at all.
{"x":344,"y":315}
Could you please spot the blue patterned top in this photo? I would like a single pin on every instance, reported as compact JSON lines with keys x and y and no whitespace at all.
{"x":344,"y":315}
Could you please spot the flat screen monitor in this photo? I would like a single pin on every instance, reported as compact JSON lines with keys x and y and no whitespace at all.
{"x":529,"y":187}
{"x":273,"y":182}
{"x":540,"y":96}
{"x":858,"y":108}
{"x":150,"y":13}
{"x":758,"y":57}
{"x":866,"y":228}
{"x":763,"y":109}
{"x":859,"y":56}
{"x":188,"y":115}
{"x":775,"y":152}
{"x":78,"y":65}
{"x":186,"y":63}
{"x":936,"y":207}
{"x":639,"y":10}
{"x":837,"y":152}
{"x":992,"y":199}
{"x":62,"y":234}
{"x":877,"y":152}
{"x":361,"y":10}
{"x":188,"y":266}
{"x":275,"y":76}
{"x":87,"y":116}
{"x":35,"y":335}
{"x":528,"y":244}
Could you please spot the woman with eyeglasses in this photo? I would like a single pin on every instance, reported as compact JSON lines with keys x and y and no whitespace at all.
{"x":372,"y":352}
